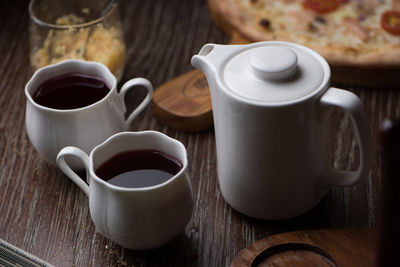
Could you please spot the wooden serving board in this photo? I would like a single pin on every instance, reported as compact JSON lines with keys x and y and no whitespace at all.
{"x":331,"y":247}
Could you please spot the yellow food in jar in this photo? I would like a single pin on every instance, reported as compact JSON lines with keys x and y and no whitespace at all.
{"x":94,"y":43}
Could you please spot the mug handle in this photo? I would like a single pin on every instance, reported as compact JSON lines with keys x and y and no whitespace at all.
{"x":66,"y":169}
{"x":352,"y":105}
{"x":126,"y":87}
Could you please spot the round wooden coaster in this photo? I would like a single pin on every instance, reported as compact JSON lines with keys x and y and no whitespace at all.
{"x":332,"y":247}
{"x":184,"y":103}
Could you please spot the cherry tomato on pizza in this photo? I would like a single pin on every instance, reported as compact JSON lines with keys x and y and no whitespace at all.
{"x":321,"y":6}
{"x":390,"y":21}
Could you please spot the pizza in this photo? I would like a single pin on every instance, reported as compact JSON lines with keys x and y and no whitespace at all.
{"x":364,"y":33}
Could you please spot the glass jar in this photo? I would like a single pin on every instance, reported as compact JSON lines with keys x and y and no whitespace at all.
{"x":77,"y":29}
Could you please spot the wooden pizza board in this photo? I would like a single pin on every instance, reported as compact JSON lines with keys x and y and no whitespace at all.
{"x":331,"y":247}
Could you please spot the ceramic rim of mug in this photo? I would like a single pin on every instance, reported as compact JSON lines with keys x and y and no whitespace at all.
{"x":156,"y":135}
{"x":110,"y":9}
{"x":317,"y":91}
{"x":90,"y":64}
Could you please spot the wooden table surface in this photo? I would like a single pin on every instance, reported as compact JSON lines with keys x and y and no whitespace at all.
{"x":44,"y":213}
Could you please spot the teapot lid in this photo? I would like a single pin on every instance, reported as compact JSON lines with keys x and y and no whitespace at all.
{"x":274,"y":72}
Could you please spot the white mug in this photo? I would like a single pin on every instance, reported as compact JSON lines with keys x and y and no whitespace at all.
{"x":50,"y":129}
{"x":272,"y":106}
{"x":135,"y":218}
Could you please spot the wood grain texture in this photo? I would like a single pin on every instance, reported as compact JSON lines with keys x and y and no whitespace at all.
{"x":43,"y":212}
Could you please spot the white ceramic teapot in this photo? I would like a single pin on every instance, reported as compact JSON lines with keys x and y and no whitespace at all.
{"x":271,"y":106}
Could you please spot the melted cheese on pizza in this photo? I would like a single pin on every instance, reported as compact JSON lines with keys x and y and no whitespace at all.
{"x":355,"y":23}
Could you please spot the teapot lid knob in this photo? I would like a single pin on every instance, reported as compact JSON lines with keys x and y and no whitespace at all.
{"x":273,"y":62}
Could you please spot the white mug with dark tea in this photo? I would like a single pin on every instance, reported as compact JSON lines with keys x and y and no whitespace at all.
{"x":76,"y":103}
{"x":140,"y":195}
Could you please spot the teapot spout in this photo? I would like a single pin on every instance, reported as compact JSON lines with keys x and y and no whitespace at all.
{"x":211,"y":58}
{"x":201,"y":61}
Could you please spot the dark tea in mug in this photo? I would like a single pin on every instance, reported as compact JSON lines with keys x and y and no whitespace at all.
{"x":139,"y":168}
{"x":70,"y":91}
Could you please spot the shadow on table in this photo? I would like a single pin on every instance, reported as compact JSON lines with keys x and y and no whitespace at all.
{"x":322,"y":216}
{"x":180,"y":247}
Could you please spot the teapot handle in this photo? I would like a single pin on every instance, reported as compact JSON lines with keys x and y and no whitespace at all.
{"x":126,"y":87}
{"x":352,"y":105}
{"x":67,"y":170}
